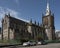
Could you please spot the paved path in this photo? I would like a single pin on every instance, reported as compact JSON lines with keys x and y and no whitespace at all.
{"x":54,"y":45}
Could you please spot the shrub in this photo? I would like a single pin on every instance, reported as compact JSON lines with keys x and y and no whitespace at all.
{"x":52,"y":41}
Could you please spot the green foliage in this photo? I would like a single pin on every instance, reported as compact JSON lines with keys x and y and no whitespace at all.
{"x":0,"y":41}
{"x":10,"y":42}
{"x":52,"y":41}
{"x":14,"y":42}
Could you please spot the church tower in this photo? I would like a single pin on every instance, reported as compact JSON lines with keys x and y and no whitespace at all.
{"x":48,"y":24}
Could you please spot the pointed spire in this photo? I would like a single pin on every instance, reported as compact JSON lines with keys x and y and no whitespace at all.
{"x":35,"y":21}
{"x":31,"y":21}
{"x":9,"y":14}
{"x":48,"y":12}
{"x":6,"y":15}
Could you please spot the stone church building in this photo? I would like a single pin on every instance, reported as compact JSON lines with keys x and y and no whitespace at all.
{"x":13,"y":28}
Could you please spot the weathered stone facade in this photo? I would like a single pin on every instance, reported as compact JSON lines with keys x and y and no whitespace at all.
{"x":48,"y":24}
{"x":13,"y":28}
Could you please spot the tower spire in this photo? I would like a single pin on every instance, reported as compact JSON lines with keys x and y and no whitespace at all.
{"x":48,"y":12}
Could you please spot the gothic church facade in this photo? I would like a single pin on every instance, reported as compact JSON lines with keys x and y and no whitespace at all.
{"x":13,"y":28}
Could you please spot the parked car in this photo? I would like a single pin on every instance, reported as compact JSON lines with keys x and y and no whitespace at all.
{"x":32,"y":43}
{"x":41,"y":43}
{"x":26,"y":43}
{"x":29,"y":43}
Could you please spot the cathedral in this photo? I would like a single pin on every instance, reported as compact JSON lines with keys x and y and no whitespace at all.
{"x":13,"y":28}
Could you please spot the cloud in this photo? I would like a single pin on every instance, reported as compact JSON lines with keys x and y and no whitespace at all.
{"x":13,"y":13}
{"x":4,"y":11}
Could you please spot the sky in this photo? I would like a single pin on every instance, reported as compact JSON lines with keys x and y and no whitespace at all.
{"x":30,"y":9}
